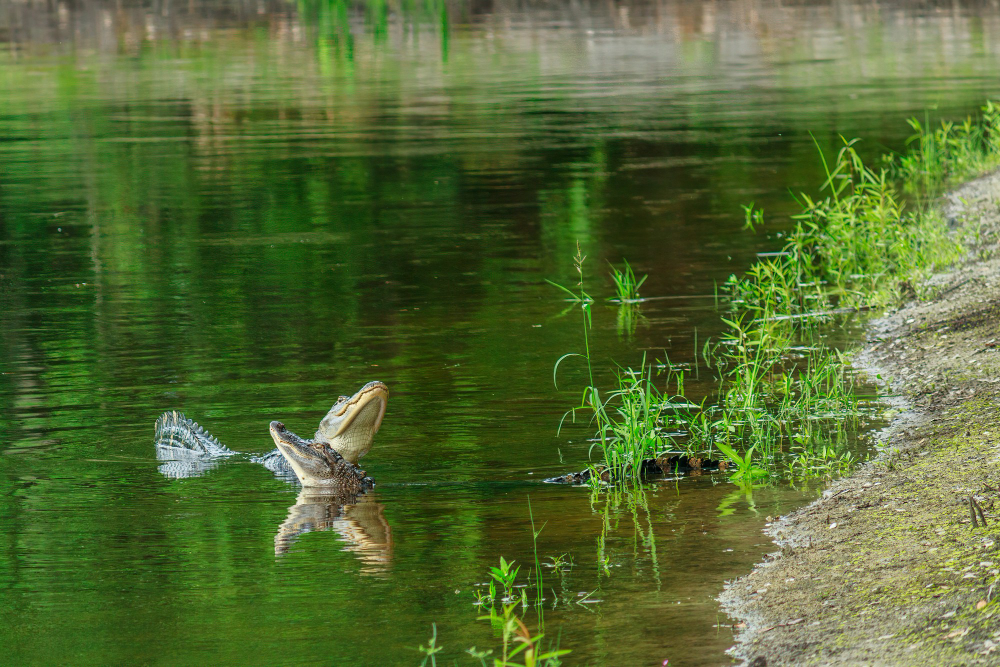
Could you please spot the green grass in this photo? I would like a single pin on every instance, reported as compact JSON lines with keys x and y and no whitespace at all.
{"x":499,"y":603}
{"x":628,"y":299}
{"x":780,"y":386}
{"x":951,"y":153}
{"x":627,"y":418}
{"x":626,"y":285}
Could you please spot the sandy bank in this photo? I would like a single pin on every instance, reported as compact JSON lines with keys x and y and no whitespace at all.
{"x":887,"y":567}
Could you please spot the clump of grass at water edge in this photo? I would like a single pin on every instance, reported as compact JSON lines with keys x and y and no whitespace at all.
{"x":782,"y":392}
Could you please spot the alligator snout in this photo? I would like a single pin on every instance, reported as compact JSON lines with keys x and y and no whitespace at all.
{"x":277,"y":426}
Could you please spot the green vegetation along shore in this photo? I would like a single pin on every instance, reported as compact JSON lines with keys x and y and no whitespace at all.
{"x":784,"y":393}
{"x":899,"y":563}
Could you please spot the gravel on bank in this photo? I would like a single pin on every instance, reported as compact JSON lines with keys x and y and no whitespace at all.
{"x":887,"y":567}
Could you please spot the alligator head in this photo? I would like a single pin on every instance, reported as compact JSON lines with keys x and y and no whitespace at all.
{"x":317,"y":463}
{"x":350,"y":425}
{"x":344,"y":436}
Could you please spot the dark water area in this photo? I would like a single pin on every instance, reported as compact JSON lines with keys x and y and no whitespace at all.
{"x":242,"y":210}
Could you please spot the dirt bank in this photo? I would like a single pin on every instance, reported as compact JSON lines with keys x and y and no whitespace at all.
{"x":887,"y":567}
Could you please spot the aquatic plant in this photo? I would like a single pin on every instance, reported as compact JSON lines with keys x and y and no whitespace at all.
{"x":628,"y":418}
{"x":539,"y":579}
{"x":632,"y":424}
{"x":520,"y":648}
{"x":745,"y":469}
{"x":848,"y":251}
{"x":432,"y":649}
{"x":505,"y":576}
{"x":518,"y":642}
{"x":627,"y":290}
{"x":560,"y":563}
{"x":626,"y":285}
{"x":589,"y":399}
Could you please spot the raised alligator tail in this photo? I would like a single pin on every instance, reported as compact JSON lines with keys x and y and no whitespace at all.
{"x":186,"y":438}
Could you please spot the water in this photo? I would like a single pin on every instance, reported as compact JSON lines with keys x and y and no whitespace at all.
{"x":244,"y":210}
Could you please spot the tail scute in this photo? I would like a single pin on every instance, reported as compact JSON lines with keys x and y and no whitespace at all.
{"x":174,"y":431}
{"x":185,"y":448}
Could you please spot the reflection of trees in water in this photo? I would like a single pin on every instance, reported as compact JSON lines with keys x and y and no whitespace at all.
{"x":234,"y":162}
{"x":116,"y":26}
{"x":125,"y":26}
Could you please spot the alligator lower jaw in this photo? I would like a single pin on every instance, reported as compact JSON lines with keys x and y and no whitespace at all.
{"x":317,"y":465}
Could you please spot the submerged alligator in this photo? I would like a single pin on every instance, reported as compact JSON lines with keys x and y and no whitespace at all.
{"x":664,"y":464}
{"x":328,"y":461}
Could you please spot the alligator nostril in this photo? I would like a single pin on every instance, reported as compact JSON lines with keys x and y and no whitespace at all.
{"x":279,"y":426}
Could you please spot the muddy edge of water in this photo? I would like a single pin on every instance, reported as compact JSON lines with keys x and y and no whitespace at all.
{"x":886,"y":568}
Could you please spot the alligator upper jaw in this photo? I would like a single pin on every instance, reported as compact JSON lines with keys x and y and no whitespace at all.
{"x":350,"y":425}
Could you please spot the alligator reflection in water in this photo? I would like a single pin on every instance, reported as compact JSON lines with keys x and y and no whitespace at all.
{"x":333,"y":487}
{"x":359,"y":520}
{"x":357,"y":517}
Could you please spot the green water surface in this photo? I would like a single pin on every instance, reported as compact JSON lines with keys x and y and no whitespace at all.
{"x":242,"y":210}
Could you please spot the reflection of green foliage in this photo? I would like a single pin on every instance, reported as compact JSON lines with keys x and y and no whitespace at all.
{"x":625,"y":501}
{"x":729,"y":505}
{"x":628,"y":316}
{"x":431,"y":650}
{"x":332,"y":21}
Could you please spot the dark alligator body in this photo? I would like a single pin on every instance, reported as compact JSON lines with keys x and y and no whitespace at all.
{"x":661,"y":465}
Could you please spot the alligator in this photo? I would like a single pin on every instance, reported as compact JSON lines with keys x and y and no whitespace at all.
{"x":328,"y":461}
{"x":664,"y":464}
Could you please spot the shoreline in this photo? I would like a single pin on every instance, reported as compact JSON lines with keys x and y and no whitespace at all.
{"x":886,"y":568}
